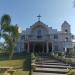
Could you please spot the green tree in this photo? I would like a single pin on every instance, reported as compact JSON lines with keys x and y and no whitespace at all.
{"x":9,"y":33}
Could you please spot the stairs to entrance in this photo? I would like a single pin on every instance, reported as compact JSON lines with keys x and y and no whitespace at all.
{"x":50,"y":66}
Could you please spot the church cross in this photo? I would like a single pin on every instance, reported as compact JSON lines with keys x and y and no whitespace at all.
{"x":39,"y":17}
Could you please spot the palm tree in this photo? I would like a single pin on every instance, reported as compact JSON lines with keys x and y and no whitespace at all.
{"x":14,"y":35}
{"x":5,"y":19}
{"x":9,"y":33}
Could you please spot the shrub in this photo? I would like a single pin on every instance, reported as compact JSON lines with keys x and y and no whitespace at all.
{"x":71,"y":73}
{"x":33,"y":56}
{"x":61,"y":54}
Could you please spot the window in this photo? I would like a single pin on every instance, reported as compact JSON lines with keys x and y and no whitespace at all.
{"x":66,"y":39}
{"x":39,"y":34}
{"x":72,"y":36}
{"x":56,"y":47}
{"x":66,"y":30}
{"x":74,"y":47}
{"x":55,"y":36}
{"x":22,"y":37}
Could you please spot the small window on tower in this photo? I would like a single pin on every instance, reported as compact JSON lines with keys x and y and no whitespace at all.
{"x":66,"y":39}
{"x":66,"y":30}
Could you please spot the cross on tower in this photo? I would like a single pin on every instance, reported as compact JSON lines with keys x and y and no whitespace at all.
{"x":39,"y":17}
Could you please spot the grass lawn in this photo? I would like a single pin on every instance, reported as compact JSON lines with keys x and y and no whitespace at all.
{"x":71,"y":58}
{"x":17,"y":62}
{"x":72,"y":72}
{"x":12,"y":63}
{"x":18,"y":72}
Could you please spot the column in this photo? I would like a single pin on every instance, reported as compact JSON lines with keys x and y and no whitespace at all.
{"x":52,"y":47}
{"x":52,"y":52}
{"x":65,"y":50}
{"x":43,"y":48}
{"x":28,"y":48}
{"x":47,"y":47}
{"x":33,"y":47}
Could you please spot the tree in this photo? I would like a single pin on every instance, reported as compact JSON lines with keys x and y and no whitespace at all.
{"x":6,"y":19}
{"x":9,"y":33}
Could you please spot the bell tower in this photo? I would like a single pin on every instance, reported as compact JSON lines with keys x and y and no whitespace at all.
{"x":65,"y":28}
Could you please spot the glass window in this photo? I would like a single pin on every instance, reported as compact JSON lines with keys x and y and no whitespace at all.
{"x":22,"y":37}
{"x":39,"y":34}
{"x":56,"y":47}
{"x":66,"y":38}
{"x":72,"y":36}
{"x":66,"y":30}
{"x":55,"y":36}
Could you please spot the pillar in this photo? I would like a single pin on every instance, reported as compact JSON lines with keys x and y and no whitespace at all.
{"x":65,"y":50}
{"x":28,"y":48}
{"x":52,"y":47}
{"x":33,"y":47}
{"x":47,"y":47}
{"x":43,"y":48}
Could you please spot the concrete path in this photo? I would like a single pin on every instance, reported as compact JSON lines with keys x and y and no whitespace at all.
{"x":50,"y":66}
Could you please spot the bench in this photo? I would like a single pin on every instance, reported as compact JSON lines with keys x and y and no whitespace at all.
{"x":3,"y":69}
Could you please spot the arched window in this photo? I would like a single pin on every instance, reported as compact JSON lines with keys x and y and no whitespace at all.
{"x":66,"y":30}
{"x":39,"y":34}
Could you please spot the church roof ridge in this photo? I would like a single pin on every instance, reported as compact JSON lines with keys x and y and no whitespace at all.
{"x":39,"y":22}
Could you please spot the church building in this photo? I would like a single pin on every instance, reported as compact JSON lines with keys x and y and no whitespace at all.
{"x":43,"y":39}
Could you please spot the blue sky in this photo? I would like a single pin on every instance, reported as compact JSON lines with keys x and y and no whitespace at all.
{"x":53,"y":12}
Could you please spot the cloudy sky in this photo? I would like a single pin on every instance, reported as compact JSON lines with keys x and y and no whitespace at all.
{"x":53,"y":12}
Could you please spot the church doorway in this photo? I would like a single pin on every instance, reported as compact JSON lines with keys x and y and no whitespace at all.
{"x":38,"y":48}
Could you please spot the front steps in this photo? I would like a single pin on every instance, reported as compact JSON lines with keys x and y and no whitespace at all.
{"x":45,"y":66}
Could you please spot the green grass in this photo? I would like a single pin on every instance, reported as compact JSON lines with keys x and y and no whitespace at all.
{"x":2,"y":74}
{"x":72,"y":58}
{"x":19,"y":62}
{"x":20,"y":72}
{"x":15,"y":56}
{"x":16,"y":64}
{"x":72,"y":72}
{"x":12,"y":63}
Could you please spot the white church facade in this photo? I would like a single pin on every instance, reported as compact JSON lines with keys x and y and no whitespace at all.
{"x":43,"y":39}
